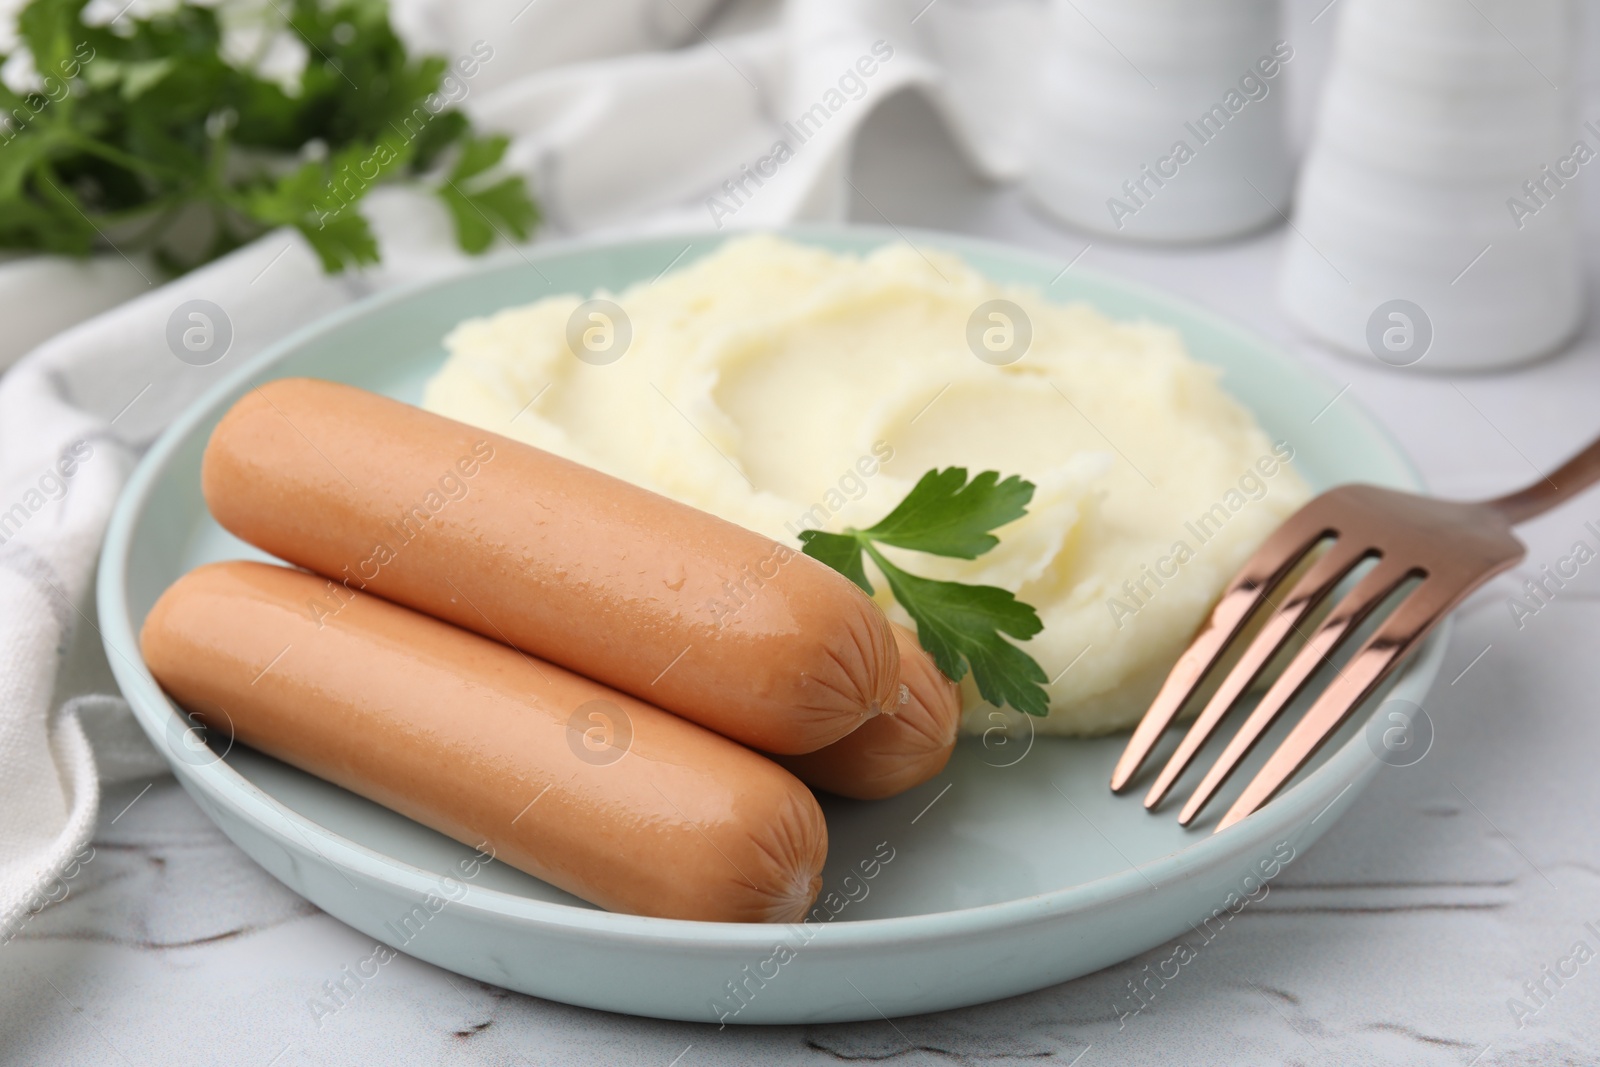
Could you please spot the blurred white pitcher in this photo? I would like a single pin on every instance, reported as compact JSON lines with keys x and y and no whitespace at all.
{"x":1162,"y":120}
{"x":1437,"y":212}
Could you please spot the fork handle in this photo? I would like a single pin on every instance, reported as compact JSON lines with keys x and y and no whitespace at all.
{"x":1557,"y":487}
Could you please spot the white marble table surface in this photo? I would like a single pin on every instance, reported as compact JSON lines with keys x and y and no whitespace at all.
{"x":1400,"y":938}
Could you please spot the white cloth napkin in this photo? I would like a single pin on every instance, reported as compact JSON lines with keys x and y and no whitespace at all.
{"x":625,"y":115}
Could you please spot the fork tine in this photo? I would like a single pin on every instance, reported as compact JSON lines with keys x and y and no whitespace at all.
{"x":1345,"y":617}
{"x":1265,"y":568}
{"x":1400,"y":632}
{"x":1312,"y":588}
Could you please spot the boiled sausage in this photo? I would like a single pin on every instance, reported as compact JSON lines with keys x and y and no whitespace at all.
{"x":603,"y":795}
{"x":893,"y":752}
{"x":677,"y":607}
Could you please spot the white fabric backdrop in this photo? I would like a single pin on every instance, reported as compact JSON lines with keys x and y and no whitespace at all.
{"x":625,"y":115}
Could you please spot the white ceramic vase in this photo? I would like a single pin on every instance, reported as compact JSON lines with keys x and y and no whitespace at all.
{"x":1163,"y":120}
{"x":1436,"y":214}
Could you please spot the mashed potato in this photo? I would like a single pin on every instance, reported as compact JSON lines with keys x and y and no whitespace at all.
{"x":784,"y":387}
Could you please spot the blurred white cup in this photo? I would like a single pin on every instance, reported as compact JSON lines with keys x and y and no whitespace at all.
{"x":1162,"y":120}
{"x":1436,"y":214}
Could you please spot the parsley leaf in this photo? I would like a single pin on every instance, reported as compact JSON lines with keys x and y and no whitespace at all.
{"x":946,"y":515}
{"x":961,"y":626}
{"x":144,"y":138}
{"x":482,"y":212}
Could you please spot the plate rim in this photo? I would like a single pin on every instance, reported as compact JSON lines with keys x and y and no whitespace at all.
{"x":1347,"y":766}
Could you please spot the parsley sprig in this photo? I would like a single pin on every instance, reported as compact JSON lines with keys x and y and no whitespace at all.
{"x":960,"y":625}
{"x":145,"y":137}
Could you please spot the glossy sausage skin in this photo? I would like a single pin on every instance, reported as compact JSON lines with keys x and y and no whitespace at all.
{"x":618,"y":802}
{"x":677,"y":607}
{"x":892,"y":752}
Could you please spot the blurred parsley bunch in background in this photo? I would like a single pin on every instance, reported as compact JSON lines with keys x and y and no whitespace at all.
{"x":154,"y":134}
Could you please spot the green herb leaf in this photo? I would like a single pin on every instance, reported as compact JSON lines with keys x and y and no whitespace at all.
{"x":446,"y":129}
{"x":477,"y":156}
{"x":481,"y":213}
{"x":946,"y":515}
{"x":137,"y":78}
{"x":961,"y":626}
{"x":145,"y":132}
{"x":341,"y":241}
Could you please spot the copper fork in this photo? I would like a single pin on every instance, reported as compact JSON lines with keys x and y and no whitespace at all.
{"x":1451,"y":547}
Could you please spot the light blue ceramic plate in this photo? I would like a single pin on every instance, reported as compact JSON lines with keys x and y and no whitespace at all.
{"x":1013,"y":870}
